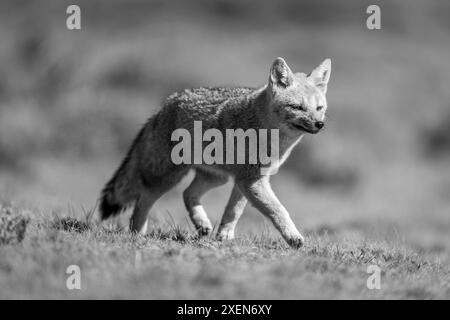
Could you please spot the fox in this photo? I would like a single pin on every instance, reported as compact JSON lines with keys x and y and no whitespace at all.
{"x":293,"y":103}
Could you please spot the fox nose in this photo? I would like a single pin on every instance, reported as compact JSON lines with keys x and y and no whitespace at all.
{"x":319,"y":124}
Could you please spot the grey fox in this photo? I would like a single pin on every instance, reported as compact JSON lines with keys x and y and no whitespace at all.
{"x":293,"y":103}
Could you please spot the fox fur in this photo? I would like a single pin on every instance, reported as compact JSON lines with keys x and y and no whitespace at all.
{"x":293,"y":103}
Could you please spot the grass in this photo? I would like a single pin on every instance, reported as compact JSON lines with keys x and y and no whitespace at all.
{"x":171,"y":262}
{"x":12,"y":226}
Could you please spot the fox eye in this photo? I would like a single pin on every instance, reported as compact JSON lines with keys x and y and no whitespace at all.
{"x":319,"y":108}
{"x":300,"y":107}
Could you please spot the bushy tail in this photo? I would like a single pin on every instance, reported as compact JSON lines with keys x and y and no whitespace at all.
{"x":111,"y":202}
{"x":120,"y":192}
{"x":123,"y":188}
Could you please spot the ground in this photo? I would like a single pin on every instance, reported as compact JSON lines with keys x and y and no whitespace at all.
{"x":172,"y":263}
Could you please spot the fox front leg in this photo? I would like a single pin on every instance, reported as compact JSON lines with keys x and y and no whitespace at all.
{"x":261,"y":195}
{"x":202,"y":183}
{"x":233,"y":211}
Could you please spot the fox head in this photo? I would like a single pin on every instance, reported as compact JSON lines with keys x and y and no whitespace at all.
{"x":298,"y":100}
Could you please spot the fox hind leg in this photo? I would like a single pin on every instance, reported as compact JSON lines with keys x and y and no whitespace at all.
{"x":138,"y":221}
{"x":202,"y":183}
{"x":154,"y":186}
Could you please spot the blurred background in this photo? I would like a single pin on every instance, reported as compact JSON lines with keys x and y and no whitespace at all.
{"x":72,"y":101}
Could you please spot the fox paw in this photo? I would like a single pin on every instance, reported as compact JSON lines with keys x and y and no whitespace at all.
{"x":296,"y":243}
{"x":204,"y":231}
{"x":225,"y":235}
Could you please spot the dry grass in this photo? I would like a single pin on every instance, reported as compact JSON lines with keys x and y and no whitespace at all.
{"x":12,"y":226}
{"x":173,"y":263}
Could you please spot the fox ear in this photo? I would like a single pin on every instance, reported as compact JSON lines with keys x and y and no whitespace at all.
{"x":321,"y":75}
{"x":280,"y":73}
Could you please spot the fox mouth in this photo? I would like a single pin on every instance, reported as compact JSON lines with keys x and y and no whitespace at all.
{"x":301,"y":127}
